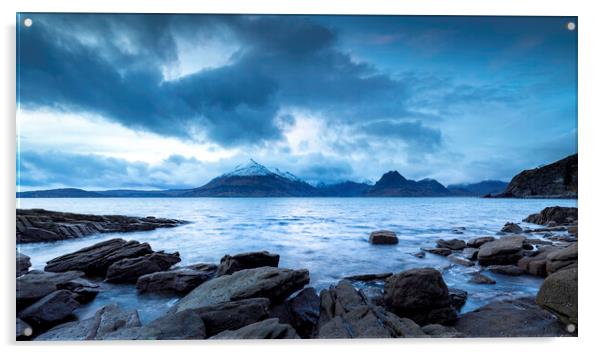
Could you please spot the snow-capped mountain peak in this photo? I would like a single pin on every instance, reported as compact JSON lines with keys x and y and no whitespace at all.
{"x":252,"y":168}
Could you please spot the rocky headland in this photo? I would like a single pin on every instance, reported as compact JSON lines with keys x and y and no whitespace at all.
{"x":249,"y":296}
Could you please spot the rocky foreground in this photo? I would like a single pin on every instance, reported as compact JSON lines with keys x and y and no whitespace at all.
{"x":247,"y":296}
{"x":39,"y":225}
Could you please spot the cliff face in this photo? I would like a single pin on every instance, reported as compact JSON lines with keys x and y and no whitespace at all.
{"x":556,"y":180}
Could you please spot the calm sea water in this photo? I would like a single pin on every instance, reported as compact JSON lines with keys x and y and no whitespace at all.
{"x":328,"y":236}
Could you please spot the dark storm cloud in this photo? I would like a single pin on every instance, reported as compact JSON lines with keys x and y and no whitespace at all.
{"x":419,"y":137}
{"x":112,"y":65}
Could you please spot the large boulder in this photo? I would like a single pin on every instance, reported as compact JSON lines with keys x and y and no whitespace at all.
{"x":383,"y":237}
{"x":37,"y":284}
{"x":173,"y":326}
{"x":512,"y":228}
{"x":107,"y":319}
{"x":96,"y":259}
{"x":535,"y":263}
{"x":556,"y":214}
{"x":230,"y":264}
{"x":421,"y":295}
{"x":562,"y":259}
{"x":50,"y":310}
{"x":130,"y":269}
{"x":232,"y":315}
{"x":453,"y":244}
{"x":346,"y":313}
{"x":266,"y":329}
{"x":23,"y":264}
{"x":275,"y":284}
{"x":180,"y":281}
{"x":558,"y":294}
{"x":302,"y":312}
{"x":509,"y":318}
{"x":505,"y":250}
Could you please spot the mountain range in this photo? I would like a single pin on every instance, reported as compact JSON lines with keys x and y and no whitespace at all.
{"x":255,"y":180}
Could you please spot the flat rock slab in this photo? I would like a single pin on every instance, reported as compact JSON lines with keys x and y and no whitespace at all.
{"x":36,"y":284}
{"x":51,"y":309}
{"x":275,"y":284}
{"x":130,"y":269}
{"x":479,"y":241}
{"x":39,"y":225}
{"x":180,"y":281}
{"x":173,"y":326}
{"x":509,"y":318}
{"x":453,"y":244}
{"x":506,"y":250}
{"x":95,"y":260}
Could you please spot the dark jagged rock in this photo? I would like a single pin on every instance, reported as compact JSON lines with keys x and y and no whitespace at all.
{"x":346,"y":313}
{"x":302,"y":312}
{"x":511,"y":228}
{"x":39,"y":225}
{"x":230,"y":264}
{"x":511,"y":270}
{"x":275,"y":284}
{"x":34,"y":285}
{"x":180,"y":281}
{"x":107,"y":319}
{"x":506,"y":250}
{"x":50,"y":310}
{"x":559,"y":294}
{"x":562,"y":259}
{"x":173,"y":326}
{"x":556,"y":180}
{"x":421,"y":295}
{"x":83,"y":291}
{"x":457,"y":297}
{"x":232,"y":315}
{"x":383,"y":237}
{"x":392,"y":184}
{"x":96,"y":259}
{"x":437,"y":250}
{"x":453,"y":244}
{"x":556,"y":214}
{"x":130,"y":269}
{"x":266,"y":329}
{"x":509,"y":318}
{"x":479,"y":241}
{"x":23,"y":264}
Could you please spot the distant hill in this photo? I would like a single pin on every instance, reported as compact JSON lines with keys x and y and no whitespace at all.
{"x":556,"y":180}
{"x":478,"y":189}
{"x":393,"y":184}
{"x":344,"y":189}
{"x":60,"y":193}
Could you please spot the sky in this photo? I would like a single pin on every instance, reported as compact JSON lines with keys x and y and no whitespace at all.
{"x":110,"y":101}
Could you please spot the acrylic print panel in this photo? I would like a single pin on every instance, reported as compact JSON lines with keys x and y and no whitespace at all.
{"x":295,"y":177}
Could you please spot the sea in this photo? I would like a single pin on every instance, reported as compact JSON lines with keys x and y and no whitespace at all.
{"x":327,"y":236}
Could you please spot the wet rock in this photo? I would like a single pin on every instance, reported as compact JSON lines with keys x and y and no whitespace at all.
{"x":470,"y":253}
{"x":233,"y":315}
{"x":302,"y":312}
{"x":180,"y":281}
{"x":440,"y":331}
{"x":230,"y":264}
{"x":35,"y":285}
{"x":96,"y":259}
{"x":558,"y":294}
{"x":368,"y":277}
{"x":130,"y":269}
{"x":338,"y":300}
{"x":23,"y":330}
{"x":511,"y":270}
{"x":512,"y":228}
{"x":560,"y":215}
{"x":460,"y":260}
{"x":509,"y":318}
{"x":479,"y":241}
{"x":419,"y":254}
{"x":49,"y":310}
{"x":453,"y":244}
{"x":266,"y":329}
{"x":275,"y":284}
{"x":438,"y":251}
{"x":39,"y":225}
{"x":457,"y":297}
{"x":173,"y":326}
{"x":421,"y":295}
{"x":562,"y":259}
{"x":535,"y":264}
{"x":479,"y":278}
{"x":83,"y":291}
{"x":23,"y":264}
{"x":506,"y":250}
{"x":107,"y":319}
{"x":383,"y":237}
